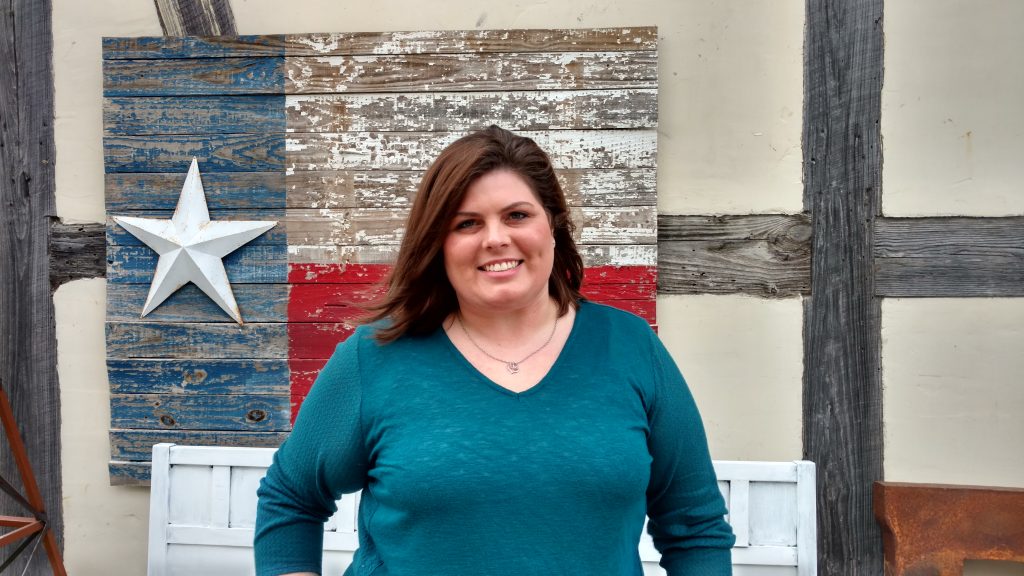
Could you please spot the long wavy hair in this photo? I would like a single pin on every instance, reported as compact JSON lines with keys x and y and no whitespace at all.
{"x":417,"y":293}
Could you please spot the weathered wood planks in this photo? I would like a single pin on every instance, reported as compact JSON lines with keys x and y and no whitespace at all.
{"x":615,"y":149}
{"x":471,"y":72}
{"x":196,"y":340}
{"x":461,"y":111}
{"x":202,"y":114}
{"x":766,"y":255}
{"x":330,"y":135}
{"x":195,"y":17}
{"x":28,"y":361}
{"x":198,"y":376}
{"x":76,"y":251}
{"x":257,"y":303}
{"x":952,"y":256}
{"x":323,"y":189}
{"x":842,"y":415}
{"x":369,"y":43}
{"x":200,"y":412}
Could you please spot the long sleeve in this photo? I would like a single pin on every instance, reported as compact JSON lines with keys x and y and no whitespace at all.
{"x":684,"y":504}
{"x":324,"y":457}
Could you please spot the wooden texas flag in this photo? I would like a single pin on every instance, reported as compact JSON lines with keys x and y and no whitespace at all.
{"x":329,"y":134}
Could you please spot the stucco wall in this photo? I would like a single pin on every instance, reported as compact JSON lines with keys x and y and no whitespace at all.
{"x":729,"y":142}
{"x":953,"y":137}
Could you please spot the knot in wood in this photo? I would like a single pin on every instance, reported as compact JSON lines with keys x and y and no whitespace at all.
{"x":255,"y":415}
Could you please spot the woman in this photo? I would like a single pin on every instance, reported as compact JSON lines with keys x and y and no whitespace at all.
{"x":497,"y":422}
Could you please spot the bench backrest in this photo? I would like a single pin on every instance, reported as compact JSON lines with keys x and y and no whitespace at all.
{"x":203,"y":510}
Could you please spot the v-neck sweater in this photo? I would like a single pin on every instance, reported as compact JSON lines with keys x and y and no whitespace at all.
{"x":461,"y":476}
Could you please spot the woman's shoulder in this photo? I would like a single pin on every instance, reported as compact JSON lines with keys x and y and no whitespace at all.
{"x":613,"y":318}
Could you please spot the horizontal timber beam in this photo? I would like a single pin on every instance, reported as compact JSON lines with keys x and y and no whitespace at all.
{"x":76,"y":251}
{"x":949,"y":257}
{"x":767,"y":255}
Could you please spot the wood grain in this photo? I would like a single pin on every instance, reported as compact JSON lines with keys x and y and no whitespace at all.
{"x":463,"y":72}
{"x":167,"y":47}
{"x":174,"y":153}
{"x":196,"y":17}
{"x":475,"y":41}
{"x":950,"y":277}
{"x":193,"y":77}
{"x":397,"y":188}
{"x":949,"y":236}
{"x":128,"y":192}
{"x":257,"y":303}
{"x":197,"y":376}
{"x":201,"y":412}
{"x":28,"y":362}
{"x":454,"y":111}
{"x":615,"y":149}
{"x":125,"y":192}
{"x":762,"y":255}
{"x":196,"y":340}
{"x":137,"y":445}
{"x":124,"y":116}
{"x":416,"y":42}
{"x":76,"y":251}
{"x":950,"y":256}
{"x":842,"y":415}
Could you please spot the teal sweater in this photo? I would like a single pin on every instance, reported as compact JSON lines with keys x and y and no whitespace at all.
{"x":462,"y":477}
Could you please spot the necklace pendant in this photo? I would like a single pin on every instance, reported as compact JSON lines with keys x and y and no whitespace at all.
{"x":513,"y":367}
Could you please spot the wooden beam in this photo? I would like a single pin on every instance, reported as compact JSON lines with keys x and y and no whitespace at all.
{"x":196,"y":17}
{"x":949,"y":256}
{"x":28,"y":343}
{"x":767,"y":255}
{"x":842,"y":417}
{"x":76,"y":251}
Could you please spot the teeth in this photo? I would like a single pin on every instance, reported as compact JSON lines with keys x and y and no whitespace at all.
{"x":501,"y":266}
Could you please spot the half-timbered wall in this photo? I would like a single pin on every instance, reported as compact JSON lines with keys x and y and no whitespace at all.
{"x":729,"y":152}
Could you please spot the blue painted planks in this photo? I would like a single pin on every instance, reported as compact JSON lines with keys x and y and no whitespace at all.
{"x":256,"y":302}
{"x":118,"y":236}
{"x":193,"y":47}
{"x":129,"y":473}
{"x":174,"y":153}
{"x":198,"y":376}
{"x":224,"y":190}
{"x":124,"y":116}
{"x":193,"y":77}
{"x":197,"y":340}
{"x":137,"y":445}
{"x":201,"y":412}
{"x":248,"y":264}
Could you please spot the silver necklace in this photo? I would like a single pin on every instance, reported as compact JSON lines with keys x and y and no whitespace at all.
{"x":511,"y":365}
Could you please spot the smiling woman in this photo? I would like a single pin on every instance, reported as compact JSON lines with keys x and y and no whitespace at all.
{"x":496,"y":421}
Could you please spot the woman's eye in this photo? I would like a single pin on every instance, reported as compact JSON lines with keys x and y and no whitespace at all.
{"x":518,"y":216}
{"x":463,"y":224}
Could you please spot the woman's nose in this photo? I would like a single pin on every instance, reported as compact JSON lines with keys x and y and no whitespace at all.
{"x":495,"y":236}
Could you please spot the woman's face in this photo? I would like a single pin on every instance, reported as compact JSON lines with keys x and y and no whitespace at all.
{"x":500,"y":248}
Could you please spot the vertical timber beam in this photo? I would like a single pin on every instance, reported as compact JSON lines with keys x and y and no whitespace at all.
{"x":196,"y":17}
{"x":28,"y":341}
{"x":842,"y":415}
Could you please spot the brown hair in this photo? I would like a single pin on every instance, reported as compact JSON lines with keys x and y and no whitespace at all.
{"x":418,"y":294}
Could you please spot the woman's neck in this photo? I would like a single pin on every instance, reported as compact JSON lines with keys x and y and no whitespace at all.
{"x":509,"y":326}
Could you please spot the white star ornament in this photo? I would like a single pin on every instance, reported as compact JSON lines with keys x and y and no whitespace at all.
{"x":191,"y":247}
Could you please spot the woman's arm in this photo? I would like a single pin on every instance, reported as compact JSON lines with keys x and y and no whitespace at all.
{"x":684,"y":503}
{"x":323,"y":458}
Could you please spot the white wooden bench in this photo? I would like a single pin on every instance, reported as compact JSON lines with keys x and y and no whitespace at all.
{"x":203,"y":509}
